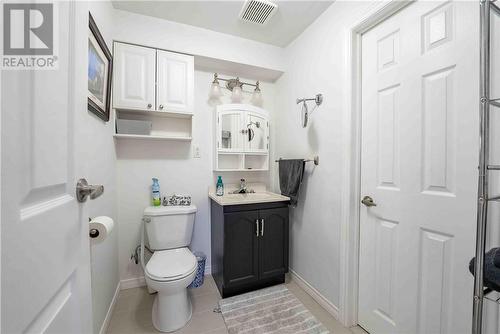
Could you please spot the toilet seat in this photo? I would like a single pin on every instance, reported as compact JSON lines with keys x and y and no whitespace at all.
{"x":170,"y":265}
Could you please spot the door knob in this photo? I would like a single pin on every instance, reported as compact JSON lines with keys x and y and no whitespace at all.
{"x":84,"y":190}
{"x":368,"y":201}
{"x":149,"y":105}
{"x":160,"y":106}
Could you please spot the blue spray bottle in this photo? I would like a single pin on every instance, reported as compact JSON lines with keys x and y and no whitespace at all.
{"x":156,"y":192}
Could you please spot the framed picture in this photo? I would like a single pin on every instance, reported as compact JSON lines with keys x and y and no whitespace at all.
{"x":100,"y":69}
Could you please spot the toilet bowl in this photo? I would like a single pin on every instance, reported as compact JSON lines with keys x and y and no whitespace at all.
{"x":172,"y":266}
{"x":169,"y":272}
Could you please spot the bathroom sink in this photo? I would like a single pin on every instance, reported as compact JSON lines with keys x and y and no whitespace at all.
{"x":248,"y":198}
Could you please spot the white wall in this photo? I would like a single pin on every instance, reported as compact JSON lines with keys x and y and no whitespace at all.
{"x":163,"y":34}
{"x":172,"y":163}
{"x":101,"y":166}
{"x":316,"y":63}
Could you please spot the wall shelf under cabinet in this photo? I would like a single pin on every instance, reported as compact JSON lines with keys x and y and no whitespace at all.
{"x":163,"y":125}
{"x":150,"y":137}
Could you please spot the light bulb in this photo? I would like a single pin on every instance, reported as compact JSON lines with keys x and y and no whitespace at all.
{"x":215,"y":91}
{"x":237,"y":95}
{"x":256,"y":98}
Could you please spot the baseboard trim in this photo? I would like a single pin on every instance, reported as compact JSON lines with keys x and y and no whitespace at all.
{"x":131,"y":283}
{"x":107,"y":319}
{"x":315,"y":294}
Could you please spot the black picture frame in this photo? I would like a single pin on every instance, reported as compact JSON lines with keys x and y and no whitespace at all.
{"x":100,"y":111}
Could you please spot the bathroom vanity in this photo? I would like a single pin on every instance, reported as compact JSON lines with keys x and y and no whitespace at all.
{"x":249,"y":241}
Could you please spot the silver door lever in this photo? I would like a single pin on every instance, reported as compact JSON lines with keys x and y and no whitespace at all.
{"x":368,"y":201}
{"x":84,"y":190}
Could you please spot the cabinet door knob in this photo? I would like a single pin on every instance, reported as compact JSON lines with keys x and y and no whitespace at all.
{"x":257,"y":227}
{"x":161,"y":106}
{"x":149,"y":105}
{"x":262,"y":227}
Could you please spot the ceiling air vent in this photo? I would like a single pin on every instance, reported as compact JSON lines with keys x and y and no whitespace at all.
{"x":258,"y":11}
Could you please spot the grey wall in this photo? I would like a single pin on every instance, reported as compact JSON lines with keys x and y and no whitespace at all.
{"x":316,"y":63}
{"x":101,"y":163}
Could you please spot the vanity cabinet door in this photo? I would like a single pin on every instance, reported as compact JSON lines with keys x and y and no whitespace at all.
{"x":257,"y":135}
{"x":175,"y":75}
{"x":273,"y":242}
{"x":241,"y":255}
{"x":134,"y":77}
{"x":230,"y":133}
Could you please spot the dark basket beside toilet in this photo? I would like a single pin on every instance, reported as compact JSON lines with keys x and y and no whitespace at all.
{"x":200,"y":272}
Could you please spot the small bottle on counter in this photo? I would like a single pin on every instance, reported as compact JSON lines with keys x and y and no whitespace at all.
{"x":219,"y":188}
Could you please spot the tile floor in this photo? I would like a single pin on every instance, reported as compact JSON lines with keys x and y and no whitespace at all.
{"x":132,"y":312}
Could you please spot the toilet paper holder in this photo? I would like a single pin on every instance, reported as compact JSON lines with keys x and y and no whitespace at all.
{"x":93,"y":233}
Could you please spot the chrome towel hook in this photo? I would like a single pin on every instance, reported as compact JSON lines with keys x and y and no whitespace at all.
{"x":318,"y":99}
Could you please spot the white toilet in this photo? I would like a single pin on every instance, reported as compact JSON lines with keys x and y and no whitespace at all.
{"x":172,"y":267}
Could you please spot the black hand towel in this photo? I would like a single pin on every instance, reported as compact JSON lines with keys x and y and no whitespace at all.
{"x":291,"y":173}
{"x":491,"y":271}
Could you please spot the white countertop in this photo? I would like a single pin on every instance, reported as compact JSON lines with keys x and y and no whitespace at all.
{"x":250,"y":198}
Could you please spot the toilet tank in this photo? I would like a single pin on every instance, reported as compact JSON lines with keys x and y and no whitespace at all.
{"x":169,"y":227}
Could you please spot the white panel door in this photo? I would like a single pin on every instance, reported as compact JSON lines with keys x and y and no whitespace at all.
{"x":45,"y":245}
{"x":175,"y":86}
{"x":419,"y":164}
{"x":134,"y":77}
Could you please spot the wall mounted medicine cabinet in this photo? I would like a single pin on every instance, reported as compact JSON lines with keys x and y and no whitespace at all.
{"x":242,"y":138}
{"x":152,"y":93}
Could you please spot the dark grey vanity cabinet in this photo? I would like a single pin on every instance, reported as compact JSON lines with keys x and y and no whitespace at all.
{"x":249,"y":246}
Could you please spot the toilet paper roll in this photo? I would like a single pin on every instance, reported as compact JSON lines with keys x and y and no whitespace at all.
{"x":99,"y":228}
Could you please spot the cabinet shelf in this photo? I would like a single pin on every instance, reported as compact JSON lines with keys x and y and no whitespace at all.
{"x":241,"y":170}
{"x":149,"y":112}
{"x":150,"y":137}
{"x":245,"y":153}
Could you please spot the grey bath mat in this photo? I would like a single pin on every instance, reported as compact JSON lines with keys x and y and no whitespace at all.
{"x":271,"y":310}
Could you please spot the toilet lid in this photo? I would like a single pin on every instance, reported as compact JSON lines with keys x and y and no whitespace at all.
{"x":171,"y":264}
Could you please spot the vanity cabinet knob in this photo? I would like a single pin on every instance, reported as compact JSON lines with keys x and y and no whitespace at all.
{"x":160,"y":106}
{"x":257,"y":227}
{"x":149,"y":105}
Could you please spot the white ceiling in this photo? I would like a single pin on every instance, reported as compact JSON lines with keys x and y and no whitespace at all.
{"x":291,"y":19}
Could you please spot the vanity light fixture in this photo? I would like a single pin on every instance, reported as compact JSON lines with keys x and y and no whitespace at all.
{"x":236,"y":87}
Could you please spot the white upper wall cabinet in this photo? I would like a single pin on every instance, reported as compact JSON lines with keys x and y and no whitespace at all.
{"x":175,"y":86}
{"x":151,"y":79}
{"x":134,"y":77}
{"x":153,"y":93}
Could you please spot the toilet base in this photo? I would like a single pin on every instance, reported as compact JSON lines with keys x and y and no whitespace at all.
{"x":171,"y":311}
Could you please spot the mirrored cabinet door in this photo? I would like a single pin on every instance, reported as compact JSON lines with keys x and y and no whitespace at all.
{"x":230,"y":131}
{"x":256,"y":138}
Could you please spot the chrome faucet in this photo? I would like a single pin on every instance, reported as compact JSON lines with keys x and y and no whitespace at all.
{"x":243,"y":188}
